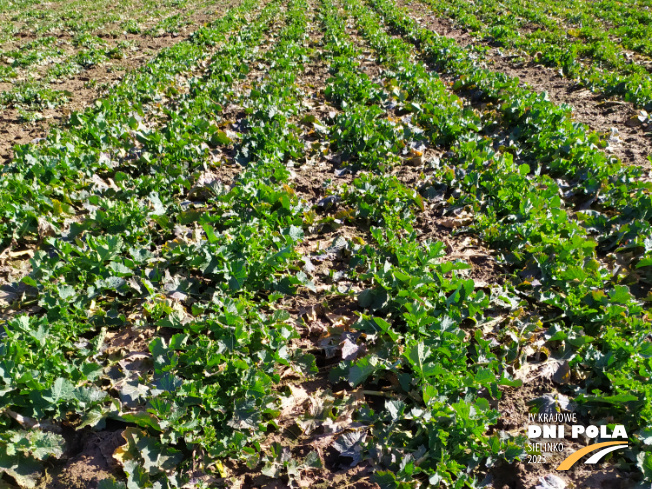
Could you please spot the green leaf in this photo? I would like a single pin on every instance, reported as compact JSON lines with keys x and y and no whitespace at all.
{"x":429,"y":392}
{"x":374,"y":299}
{"x":219,"y":138}
{"x":308,"y":119}
{"x":313,"y":460}
{"x":111,"y":484}
{"x":386,"y":328}
{"x":620,"y":294}
{"x":514,"y":452}
{"x":66,"y":291}
{"x":618,"y":399}
{"x":210,"y":233}
{"x":645,"y":262}
{"x":387,"y":480}
{"x":142,"y":419}
{"x":645,"y":435}
{"x":61,"y":390}
{"x":395,"y":409}
{"x":506,"y":381}
{"x":295,"y":232}
{"x":137,"y":477}
{"x":45,"y":444}
{"x":25,"y":471}
{"x":644,"y":462}
{"x":93,"y":418}
{"x":361,"y":370}
{"x":120,"y":269}
{"x":158,"y":207}
{"x":307,"y":363}
{"x":416,"y":353}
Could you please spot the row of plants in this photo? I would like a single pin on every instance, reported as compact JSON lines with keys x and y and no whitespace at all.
{"x":88,"y":50}
{"x":429,"y":378}
{"x":38,"y":93}
{"x":624,"y":23}
{"x":119,"y":267}
{"x":609,"y":197}
{"x":524,"y":199}
{"x":588,"y":55}
{"x":62,"y":166}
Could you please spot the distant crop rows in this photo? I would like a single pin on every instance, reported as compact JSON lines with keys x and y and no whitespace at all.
{"x":41,"y":47}
{"x":175,"y":213}
{"x":605,"y":45}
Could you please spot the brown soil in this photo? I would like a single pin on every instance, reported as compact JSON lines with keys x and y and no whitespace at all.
{"x":529,"y":476}
{"x":93,"y":463}
{"x":15,"y":131}
{"x":28,"y":31}
{"x":88,"y":86}
{"x":600,"y":114}
{"x":321,"y":320}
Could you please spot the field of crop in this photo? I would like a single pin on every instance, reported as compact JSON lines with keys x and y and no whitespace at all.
{"x":56,"y":57}
{"x":313,"y":243}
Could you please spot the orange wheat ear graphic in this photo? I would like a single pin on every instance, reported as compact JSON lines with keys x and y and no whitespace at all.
{"x":574,"y":457}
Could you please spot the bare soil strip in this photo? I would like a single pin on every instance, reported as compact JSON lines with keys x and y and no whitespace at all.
{"x":632,"y":142}
{"x":431,"y":222}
